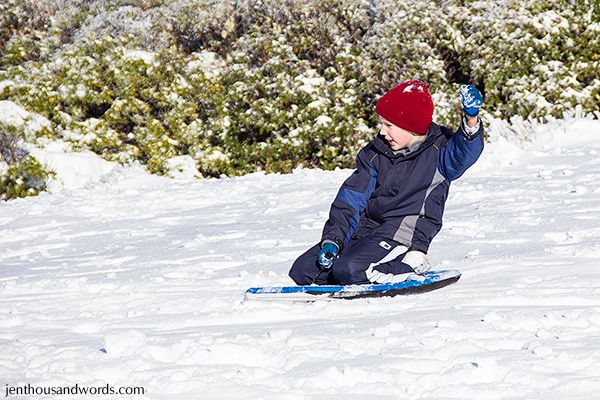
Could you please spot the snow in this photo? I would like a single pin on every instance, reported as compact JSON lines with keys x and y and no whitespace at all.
{"x":142,"y":55}
{"x":310,"y":82}
{"x":138,"y":280}
{"x":323,"y":120}
{"x":16,"y":116}
{"x":411,"y":88}
{"x":74,"y":170}
{"x":205,"y":61}
{"x":183,"y":167}
{"x":5,"y":83}
{"x":320,"y":103}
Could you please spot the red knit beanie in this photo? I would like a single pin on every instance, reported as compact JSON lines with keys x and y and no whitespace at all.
{"x":408,"y":105}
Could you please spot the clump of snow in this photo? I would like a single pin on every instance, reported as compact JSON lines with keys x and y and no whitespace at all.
{"x":74,"y":170}
{"x":145,"y":56}
{"x":13,"y":114}
{"x":205,"y":61}
{"x":412,"y":87}
{"x":310,"y":81}
{"x":363,"y":127}
{"x":214,"y":155}
{"x":323,"y":120}
{"x":5,"y":83}
{"x":320,"y":103}
{"x":183,"y":167}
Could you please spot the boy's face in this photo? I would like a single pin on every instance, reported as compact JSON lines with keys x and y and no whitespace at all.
{"x":397,"y":137}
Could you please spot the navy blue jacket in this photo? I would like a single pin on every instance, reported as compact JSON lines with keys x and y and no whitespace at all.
{"x":401,"y":197}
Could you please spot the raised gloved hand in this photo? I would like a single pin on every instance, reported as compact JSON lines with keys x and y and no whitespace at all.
{"x":329,"y":251}
{"x":471,"y":100}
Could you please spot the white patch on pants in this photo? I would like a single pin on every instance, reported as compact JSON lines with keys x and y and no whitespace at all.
{"x":415,"y":259}
{"x":379,"y":277}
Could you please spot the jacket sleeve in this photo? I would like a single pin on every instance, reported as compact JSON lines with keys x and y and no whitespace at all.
{"x":461,"y":151}
{"x":351,"y":200}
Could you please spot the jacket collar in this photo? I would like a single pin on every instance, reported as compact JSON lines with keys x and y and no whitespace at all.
{"x":384,"y":148}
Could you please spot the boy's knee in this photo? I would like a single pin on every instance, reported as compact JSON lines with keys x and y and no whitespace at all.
{"x":349,"y":273}
{"x":299,"y":276}
{"x":304,"y":269}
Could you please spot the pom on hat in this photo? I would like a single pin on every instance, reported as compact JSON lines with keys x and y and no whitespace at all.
{"x":408,"y":105}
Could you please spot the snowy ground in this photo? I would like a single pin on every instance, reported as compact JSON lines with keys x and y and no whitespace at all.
{"x":152,"y":270}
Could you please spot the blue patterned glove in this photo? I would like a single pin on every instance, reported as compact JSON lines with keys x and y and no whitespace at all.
{"x":471,"y":100}
{"x":327,"y":254}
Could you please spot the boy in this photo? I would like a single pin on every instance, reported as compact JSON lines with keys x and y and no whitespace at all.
{"x":387,"y":212}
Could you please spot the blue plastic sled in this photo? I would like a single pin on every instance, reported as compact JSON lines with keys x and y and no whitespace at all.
{"x":415,"y":284}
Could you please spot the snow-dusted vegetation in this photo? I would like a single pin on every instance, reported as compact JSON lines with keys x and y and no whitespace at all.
{"x":236,"y":87}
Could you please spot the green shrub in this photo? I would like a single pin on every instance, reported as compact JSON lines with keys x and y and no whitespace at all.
{"x":273,"y":85}
{"x":535,"y":59}
{"x":24,"y":179}
{"x":21,"y":175}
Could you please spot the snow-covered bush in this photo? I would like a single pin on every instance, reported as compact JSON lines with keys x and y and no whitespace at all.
{"x":272,"y":85}
{"x":10,"y":150}
{"x":25,"y":30}
{"x":534,"y":59}
{"x":21,"y":175}
{"x":23,"y":179}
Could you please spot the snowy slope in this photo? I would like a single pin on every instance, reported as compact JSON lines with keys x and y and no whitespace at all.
{"x":152,"y":270}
